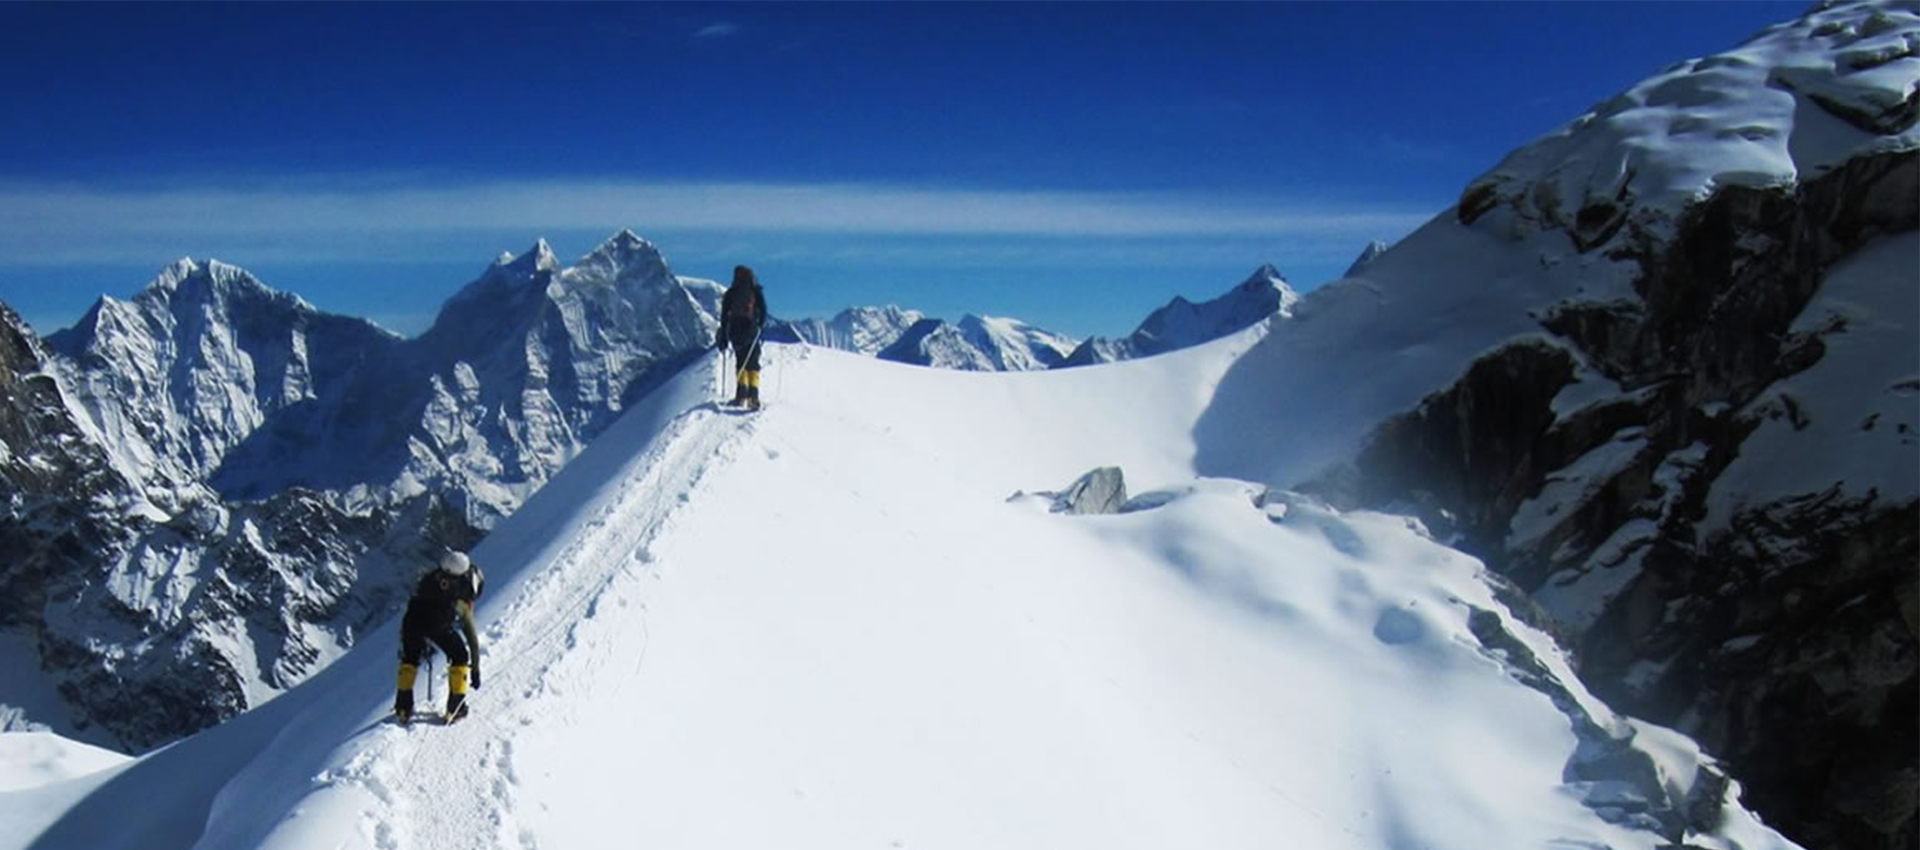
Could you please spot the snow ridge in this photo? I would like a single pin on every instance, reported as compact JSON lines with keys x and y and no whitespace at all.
{"x":966,"y":670}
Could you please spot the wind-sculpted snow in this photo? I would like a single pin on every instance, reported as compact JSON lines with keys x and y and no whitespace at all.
{"x":1796,"y":101}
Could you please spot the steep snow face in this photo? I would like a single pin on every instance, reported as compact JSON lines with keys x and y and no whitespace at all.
{"x":1791,"y":104}
{"x":913,"y":658}
{"x":979,"y":344}
{"x":1182,"y":323}
{"x":861,"y":330}
{"x":194,"y":364}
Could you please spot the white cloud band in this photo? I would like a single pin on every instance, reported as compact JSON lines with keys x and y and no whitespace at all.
{"x":533,"y":206}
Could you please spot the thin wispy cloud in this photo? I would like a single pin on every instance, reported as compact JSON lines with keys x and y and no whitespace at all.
{"x":80,"y":219}
{"x":717,"y":29}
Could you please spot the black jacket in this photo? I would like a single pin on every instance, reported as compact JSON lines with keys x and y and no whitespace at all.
{"x":743,"y":312}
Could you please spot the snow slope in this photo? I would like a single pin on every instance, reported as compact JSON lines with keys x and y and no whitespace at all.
{"x":828,"y":625}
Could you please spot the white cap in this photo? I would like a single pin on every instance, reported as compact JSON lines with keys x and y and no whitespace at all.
{"x":455,"y":562}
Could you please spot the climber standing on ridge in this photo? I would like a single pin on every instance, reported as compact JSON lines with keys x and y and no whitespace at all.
{"x":743,"y":315}
{"x":443,"y":599}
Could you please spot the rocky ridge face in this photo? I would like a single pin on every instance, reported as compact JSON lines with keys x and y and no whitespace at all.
{"x":154,"y":623}
{"x":1708,"y":480}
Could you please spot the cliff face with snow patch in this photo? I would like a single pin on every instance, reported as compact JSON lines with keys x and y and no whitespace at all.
{"x":1700,"y":451}
{"x":154,"y":622}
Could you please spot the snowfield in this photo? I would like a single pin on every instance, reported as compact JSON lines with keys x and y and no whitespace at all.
{"x":847,"y":621}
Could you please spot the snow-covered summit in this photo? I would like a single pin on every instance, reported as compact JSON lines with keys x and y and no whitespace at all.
{"x":195,"y":362}
{"x":621,"y":256}
{"x":861,"y":330}
{"x":979,"y":344}
{"x":1182,"y":323}
{"x":1367,"y":255}
{"x":1790,"y":104}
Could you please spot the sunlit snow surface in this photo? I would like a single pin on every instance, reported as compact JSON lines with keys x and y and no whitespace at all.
{"x":828,"y":625}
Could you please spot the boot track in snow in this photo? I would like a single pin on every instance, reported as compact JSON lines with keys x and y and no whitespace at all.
{"x":453,"y":788}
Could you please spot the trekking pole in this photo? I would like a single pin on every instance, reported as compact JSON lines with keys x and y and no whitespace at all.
{"x":430,"y":675}
{"x":753,"y":351}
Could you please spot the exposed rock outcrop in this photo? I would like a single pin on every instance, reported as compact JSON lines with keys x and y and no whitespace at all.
{"x":1775,"y":627}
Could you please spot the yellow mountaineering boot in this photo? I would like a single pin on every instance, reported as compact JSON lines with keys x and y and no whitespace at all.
{"x":403,"y":696}
{"x":456,"y":692}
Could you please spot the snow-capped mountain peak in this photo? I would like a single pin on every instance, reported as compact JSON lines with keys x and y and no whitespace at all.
{"x":538,"y":258}
{"x":861,"y":330}
{"x":979,"y":344}
{"x":1182,"y":323}
{"x":1367,"y":255}
{"x":173,"y":274}
{"x":624,"y":257}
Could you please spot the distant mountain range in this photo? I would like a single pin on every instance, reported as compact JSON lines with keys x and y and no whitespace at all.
{"x":1182,"y":323}
{"x":216,"y":485}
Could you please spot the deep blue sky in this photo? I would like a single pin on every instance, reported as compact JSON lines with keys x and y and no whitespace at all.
{"x":1074,"y":165}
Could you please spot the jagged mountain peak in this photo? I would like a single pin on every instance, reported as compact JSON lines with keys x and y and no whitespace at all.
{"x":173,"y":274}
{"x":1267,"y":279}
{"x":1367,"y":255}
{"x":1182,"y":323}
{"x":538,"y":258}
{"x":188,"y":276}
{"x":863,"y":330}
{"x":622,"y":255}
{"x":182,"y":288}
{"x":979,"y":343}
